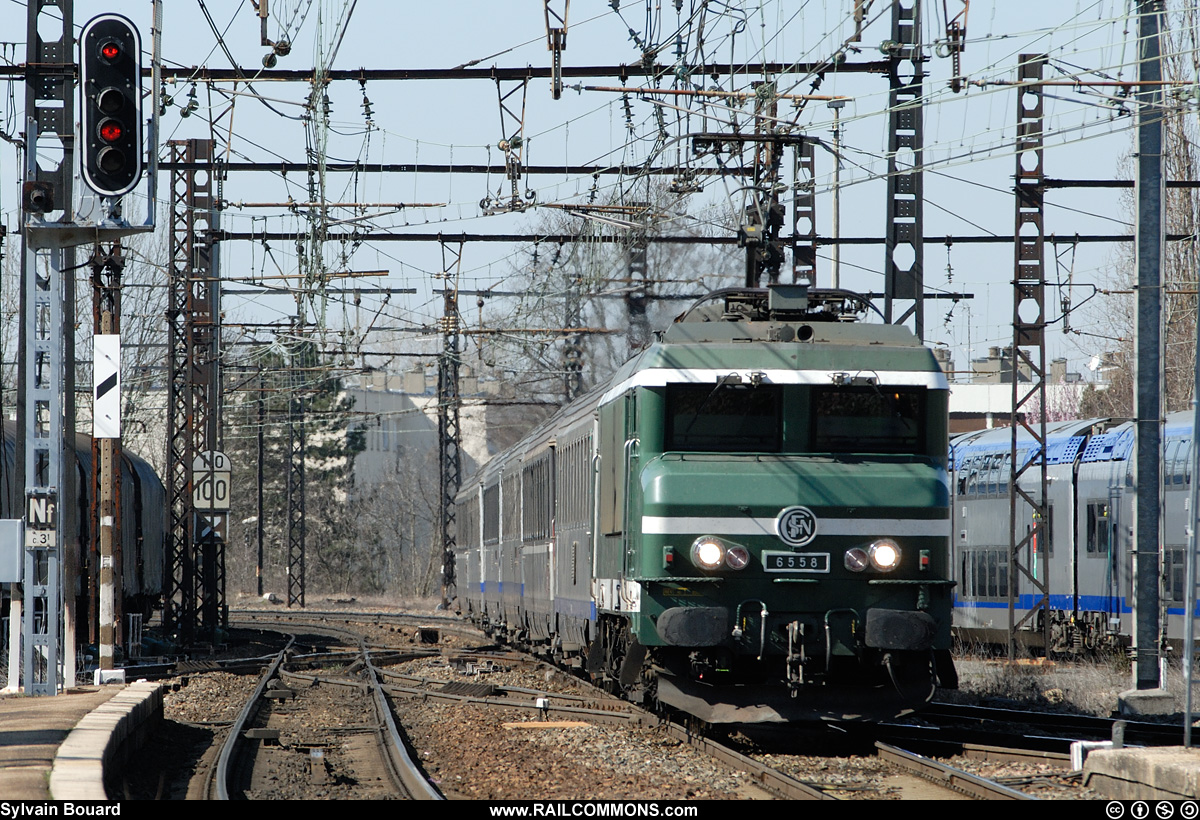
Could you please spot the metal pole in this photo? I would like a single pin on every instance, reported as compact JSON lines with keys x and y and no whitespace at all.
{"x":46,"y":384}
{"x":106,"y":452}
{"x":1148,"y":392}
{"x":262,"y":422}
{"x":1189,"y":597}
{"x":835,"y":256}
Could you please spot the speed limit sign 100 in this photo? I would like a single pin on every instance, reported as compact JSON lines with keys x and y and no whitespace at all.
{"x":211,"y":479}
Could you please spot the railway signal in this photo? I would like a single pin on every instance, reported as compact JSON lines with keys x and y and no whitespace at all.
{"x":111,"y":127}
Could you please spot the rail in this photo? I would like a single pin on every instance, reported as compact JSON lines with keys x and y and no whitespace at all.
{"x":973,"y":785}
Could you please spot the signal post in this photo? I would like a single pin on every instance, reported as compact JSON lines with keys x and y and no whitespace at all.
{"x":110,"y":139}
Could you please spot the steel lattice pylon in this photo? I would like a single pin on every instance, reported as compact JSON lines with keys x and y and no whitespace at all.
{"x":1029,"y":349}
{"x":804,"y":213}
{"x":194,"y":604}
{"x":906,"y":193}
{"x":449,"y":463}
{"x":46,"y":355}
{"x":295,"y":498}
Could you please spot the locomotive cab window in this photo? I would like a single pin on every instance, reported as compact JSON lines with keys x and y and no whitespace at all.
{"x":724,"y":418}
{"x":869,"y":420}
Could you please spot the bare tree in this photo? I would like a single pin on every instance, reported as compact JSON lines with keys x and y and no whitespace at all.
{"x":1114,"y":319}
{"x":622,"y":290}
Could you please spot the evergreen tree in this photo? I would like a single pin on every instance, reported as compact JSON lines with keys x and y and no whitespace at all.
{"x":289,"y":392}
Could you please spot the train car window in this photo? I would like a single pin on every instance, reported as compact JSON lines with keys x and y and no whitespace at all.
{"x":1175,"y":574}
{"x":537,"y":495}
{"x":612,"y":468}
{"x":1097,"y":528}
{"x":993,"y":574}
{"x":1046,"y":542}
{"x":1168,"y":460}
{"x":510,"y":503}
{"x":869,"y":420}
{"x":1004,"y":472}
{"x":726,"y":418}
{"x":467,"y":532}
{"x":491,"y":514}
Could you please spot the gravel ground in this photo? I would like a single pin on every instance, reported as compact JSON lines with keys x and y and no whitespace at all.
{"x":480,"y":753}
{"x":487,"y":754}
{"x":484,"y":754}
{"x":195,"y":711}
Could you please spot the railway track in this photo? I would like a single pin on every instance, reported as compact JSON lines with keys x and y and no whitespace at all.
{"x":974,"y":786}
{"x":1054,"y":725}
{"x":598,"y":707}
{"x":444,"y":666}
{"x":594,"y":707}
{"x":298,"y":734}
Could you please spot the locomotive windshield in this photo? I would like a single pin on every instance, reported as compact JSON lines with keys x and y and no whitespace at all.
{"x":799,"y":419}
{"x":725,"y":418}
{"x":868,"y":420}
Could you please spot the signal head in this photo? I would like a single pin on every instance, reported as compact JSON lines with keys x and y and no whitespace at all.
{"x":111,"y":105}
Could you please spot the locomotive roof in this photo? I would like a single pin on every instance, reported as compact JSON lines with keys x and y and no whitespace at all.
{"x":787,"y":334}
{"x":757,"y":329}
{"x":784,"y":313}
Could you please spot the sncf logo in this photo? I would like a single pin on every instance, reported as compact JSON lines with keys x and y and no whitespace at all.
{"x":796,"y":525}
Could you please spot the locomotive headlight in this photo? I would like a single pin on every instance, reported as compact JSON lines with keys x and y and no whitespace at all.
{"x":857,"y":559}
{"x":885,"y":554}
{"x":737,"y":557}
{"x":708,"y":552}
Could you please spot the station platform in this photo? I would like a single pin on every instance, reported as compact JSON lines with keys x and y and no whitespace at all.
{"x":57,"y":748}
{"x":1166,"y":773}
{"x":32,"y":729}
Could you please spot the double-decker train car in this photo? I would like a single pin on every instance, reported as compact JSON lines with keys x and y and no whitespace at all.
{"x":1085,"y":557}
{"x":748,"y":522}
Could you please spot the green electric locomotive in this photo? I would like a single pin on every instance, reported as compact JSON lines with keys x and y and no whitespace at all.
{"x":749,"y":522}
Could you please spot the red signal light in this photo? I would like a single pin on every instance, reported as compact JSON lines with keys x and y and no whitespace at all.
{"x":110,"y":86}
{"x":111,"y":131}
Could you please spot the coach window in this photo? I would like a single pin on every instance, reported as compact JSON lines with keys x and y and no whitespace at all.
{"x":1170,"y":447}
{"x":1048,"y":532}
{"x":491,"y":514}
{"x":1181,"y":460}
{"x":1175,"y":566}
{"x":1097,"y":528}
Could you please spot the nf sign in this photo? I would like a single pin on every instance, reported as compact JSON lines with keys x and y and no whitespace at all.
{"x":211,"y":478}
{"x":41,"y":519}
